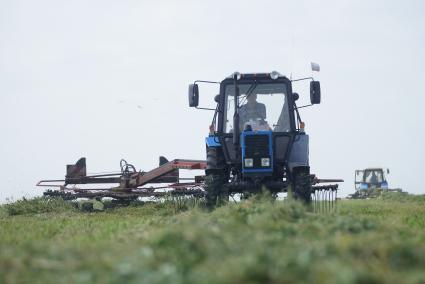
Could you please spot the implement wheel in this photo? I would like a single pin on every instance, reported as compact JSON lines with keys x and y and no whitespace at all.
{"x":216,"y":193}
{"x":302,"y":187}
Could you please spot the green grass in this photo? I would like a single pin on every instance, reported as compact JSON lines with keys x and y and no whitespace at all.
{"x":256,"y":241}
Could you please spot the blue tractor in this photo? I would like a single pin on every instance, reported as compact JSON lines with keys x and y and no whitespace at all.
{"x":257,"y":139}
{"x":371,"y":182}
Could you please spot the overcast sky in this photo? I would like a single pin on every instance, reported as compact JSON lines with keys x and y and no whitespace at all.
{"x":108,"y":80}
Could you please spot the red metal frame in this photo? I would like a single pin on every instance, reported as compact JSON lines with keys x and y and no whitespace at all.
{"x":161,"y":174}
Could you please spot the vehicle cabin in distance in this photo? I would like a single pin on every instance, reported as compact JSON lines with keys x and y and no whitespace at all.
{"x":371,"y":182}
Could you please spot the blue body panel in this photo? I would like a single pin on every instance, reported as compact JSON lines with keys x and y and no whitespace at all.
{"x":212,"y":141}
{"x":243,"y":146}
{"x":384,"y":185}
{"x":363,"y":186}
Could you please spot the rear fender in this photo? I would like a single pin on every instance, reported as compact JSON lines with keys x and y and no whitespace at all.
{"x":298,"y":157}
{"x":301,"y":169}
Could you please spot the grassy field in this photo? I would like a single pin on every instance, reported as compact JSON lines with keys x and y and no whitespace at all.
{"x":256,"y":241}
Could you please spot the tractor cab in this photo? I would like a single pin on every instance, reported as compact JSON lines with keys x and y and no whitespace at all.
{"x":370,"y":178}
{"x":256,"y":124}
{"x":262,"y":106}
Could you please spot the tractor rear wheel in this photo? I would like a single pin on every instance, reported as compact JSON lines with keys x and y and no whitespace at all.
{"x":216,"y":193}
{"x":302,"y":187}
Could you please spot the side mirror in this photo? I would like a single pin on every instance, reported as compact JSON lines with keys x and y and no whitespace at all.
{"x":217,"y":98}
{"x":315,"y":92}
{"x":193,"y":95}
{"x":388,"y":171}
{"x":295,"y":96}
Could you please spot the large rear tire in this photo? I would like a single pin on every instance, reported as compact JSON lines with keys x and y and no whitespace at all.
{"x":302,"y":187}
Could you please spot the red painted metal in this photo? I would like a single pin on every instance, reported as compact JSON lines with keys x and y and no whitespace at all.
{"x":165,"y":173}
{"x":167,"y":168}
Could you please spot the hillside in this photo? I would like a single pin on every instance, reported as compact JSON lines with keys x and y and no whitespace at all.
{"x":256,"y":241}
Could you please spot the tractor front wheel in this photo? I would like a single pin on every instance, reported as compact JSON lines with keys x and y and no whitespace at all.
{"x":216,"y":193}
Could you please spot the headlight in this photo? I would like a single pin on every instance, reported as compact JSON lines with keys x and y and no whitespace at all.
{"x":265,"y":162}
{"x":249,"y":163}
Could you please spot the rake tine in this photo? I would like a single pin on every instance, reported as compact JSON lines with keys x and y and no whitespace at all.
{"x":321,"y":201}
{"x":318,"y":201}
{"x":319,"y":205}
{"x":327,"y":201}
{"x":324,"y":201}
{"x":336,"y":199}
{"x":330,"y":200}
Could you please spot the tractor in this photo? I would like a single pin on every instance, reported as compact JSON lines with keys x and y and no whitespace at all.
{"x":371,"y":182}
{"x":256,"y":139}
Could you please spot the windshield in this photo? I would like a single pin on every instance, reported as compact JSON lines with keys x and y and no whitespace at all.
{"x":373,"y":176}
{"x":262,"y":106}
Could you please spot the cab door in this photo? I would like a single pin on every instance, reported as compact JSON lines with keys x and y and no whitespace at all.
{"x":358,"y":179}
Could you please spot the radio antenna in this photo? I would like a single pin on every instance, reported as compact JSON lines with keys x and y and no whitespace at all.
{"x":291,"y":54}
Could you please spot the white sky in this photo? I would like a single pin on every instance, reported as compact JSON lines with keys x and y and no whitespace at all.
{"x":108,"y":80}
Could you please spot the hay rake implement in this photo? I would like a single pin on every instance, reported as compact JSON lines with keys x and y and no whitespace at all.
{"x":130,"y":184}
{"x":163,"y":181}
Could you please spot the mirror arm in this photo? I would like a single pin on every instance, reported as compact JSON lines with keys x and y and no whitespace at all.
{"x":298,"y":115}
{"x":305,"y":106}
{"x":202,"y":81}
{"x":204,"y":108}
{"x":302,"y":79}
{"x":215,"y":116}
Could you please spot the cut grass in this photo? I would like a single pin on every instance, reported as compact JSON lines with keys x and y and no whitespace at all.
{"x":255,"y":241}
